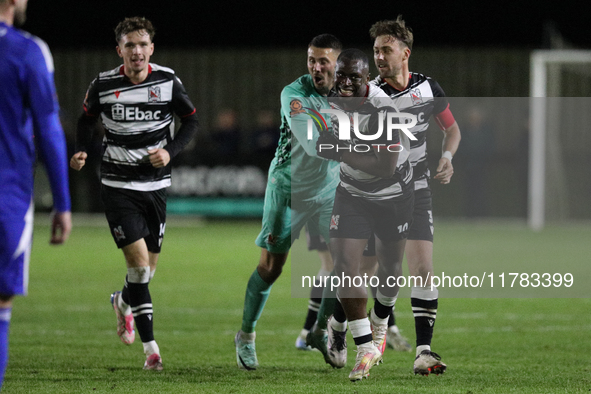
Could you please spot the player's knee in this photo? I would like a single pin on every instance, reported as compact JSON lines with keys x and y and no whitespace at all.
{"x":369,"y":265}
{"x":271,"y":266}
{"x":424,"y":271}
{"x":347,"y":267}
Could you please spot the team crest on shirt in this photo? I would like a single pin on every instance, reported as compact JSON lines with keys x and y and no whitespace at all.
{"x":118,"y":232}
{"x":295,"y":107}
{"x":334,"y":222}
{"x":154,"y":95}
{"x":416,"y":97}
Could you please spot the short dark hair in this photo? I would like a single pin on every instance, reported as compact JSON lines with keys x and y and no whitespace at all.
{"x":397,"y":29}
{"x":353,"y":55}
{"x":135,"y":23}
{"x":326,"y":41}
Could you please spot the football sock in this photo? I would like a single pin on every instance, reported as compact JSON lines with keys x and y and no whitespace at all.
{"x":257,"y":293}
{"x":381,"y":311}
{"x":421,"y":348}
{"x":338,"y":326}
{"x":122,"y":304}
{"x":339,"y":319}
{"x":141,"y":301}
{"x":392,"y":319}
{"x":384,"y":305}
{"x":151,"y":348}
{"x":5,"y":314}
{"x":248,"y":337}
{"x":375,"y":319}
{"x":329,"y":296}
{"x":361,"y":331}
{"x":124,"y":294}
{"x":424,"y":308}
{"x":339,"y":313}
{"x":315,"y":299}
{"x":313,"y":306}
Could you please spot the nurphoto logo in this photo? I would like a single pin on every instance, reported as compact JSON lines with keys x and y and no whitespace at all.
{"x":349,"y":128}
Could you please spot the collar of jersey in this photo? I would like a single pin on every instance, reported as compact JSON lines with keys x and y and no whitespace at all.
{"x":122,"y":70}
{"x":407,"y":85}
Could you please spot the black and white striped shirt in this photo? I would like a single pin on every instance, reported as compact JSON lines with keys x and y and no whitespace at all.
{"x":138,"y":118}
{"x":422,"y":97}
{"x":359,"y":183}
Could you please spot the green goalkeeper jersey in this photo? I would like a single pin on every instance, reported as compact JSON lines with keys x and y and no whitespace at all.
{"x":296,"y":168}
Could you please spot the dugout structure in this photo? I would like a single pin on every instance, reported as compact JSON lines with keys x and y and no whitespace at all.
{"x":559,"y":136}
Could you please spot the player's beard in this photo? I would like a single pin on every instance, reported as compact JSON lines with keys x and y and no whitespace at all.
{"x":392,"y":72}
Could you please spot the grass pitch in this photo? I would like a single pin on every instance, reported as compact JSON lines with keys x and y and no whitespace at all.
{"x":63,"y":336}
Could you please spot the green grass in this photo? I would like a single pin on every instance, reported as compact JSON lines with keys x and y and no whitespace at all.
{"x":63,"y":333}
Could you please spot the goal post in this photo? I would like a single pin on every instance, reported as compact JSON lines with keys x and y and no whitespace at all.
{"x":541,"y":63}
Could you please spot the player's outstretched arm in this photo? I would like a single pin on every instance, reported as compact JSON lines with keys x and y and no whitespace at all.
{"x":61,"y":226}
{"x":78,"y":160}
{"x":451,"y":141}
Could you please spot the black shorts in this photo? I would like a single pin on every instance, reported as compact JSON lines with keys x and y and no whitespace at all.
{"x":359,"y":218}
{"x":134,"y":215}
{"x":422,"y":221}
{"x":422,"y":217}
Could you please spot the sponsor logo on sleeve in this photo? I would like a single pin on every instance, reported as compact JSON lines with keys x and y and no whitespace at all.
{"x":295,"y":107}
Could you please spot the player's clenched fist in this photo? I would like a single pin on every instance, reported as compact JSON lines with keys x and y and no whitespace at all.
{"x":78,"y":160}
{"x":159,"y":157}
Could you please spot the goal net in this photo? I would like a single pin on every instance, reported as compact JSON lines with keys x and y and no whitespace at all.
{"x":560,"y":137}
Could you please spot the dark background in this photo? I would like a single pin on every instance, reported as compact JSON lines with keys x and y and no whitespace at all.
{"x":239,"y":55}
{"x":199,"y":24}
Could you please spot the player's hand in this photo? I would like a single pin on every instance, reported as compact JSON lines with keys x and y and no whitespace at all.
{"x":326,"y":147}
{"x":78,"y":160}
{"x":61,"y":226}
{"x":444,"y":171}
{"x":159,"y":157}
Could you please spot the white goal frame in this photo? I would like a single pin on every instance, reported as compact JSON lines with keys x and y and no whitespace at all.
{"x":539,"y":62}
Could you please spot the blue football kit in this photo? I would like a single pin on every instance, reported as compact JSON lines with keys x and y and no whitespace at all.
{"x":29,"y":127}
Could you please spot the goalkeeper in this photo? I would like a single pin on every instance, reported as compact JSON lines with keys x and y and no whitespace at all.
{"x":300,"y":188}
